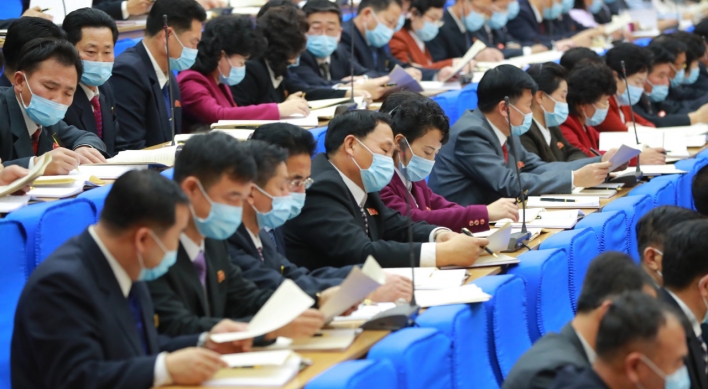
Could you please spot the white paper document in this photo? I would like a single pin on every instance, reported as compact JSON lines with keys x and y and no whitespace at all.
{"x":257,"y":358}
{"x":309,"y":121}
{"x":603,"y":193}
{"x":469,"y":56}
{"x":429,"y":278}
{"x":263,"y":376}
{"x":109,"y":172}
{"x":324,"y":340}
{"x":563,"y":201}
{"x":37,"y":170}
{"x":287,"y":303}
{"x":623,"y":155}
{"x":164,"y":156}
{"x":12,"y":203}
{"x":240,"y":134}
{"x":651,"y":170}
{"x":439,"y":85}
{"x":364,"y":312}
{"x":465,"y":294}
{"x":358,"y":284}
{"x":317,"y":104}
{"x":57,"y":8}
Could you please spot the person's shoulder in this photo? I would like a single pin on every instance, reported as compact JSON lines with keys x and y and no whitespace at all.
{"x":128,"y":57}
{"x":65,"y":266}
{"x":191,"y":75}
{"x":472,"y":121}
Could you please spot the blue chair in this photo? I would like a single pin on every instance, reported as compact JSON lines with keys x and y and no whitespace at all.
{"x":364,"y":374}
{"x":319,"y":134}
{"x":683,"y":191}
{"x":466,"y":326}
{"x":448,"y":103}
{"x":675,"y":180}
{"x":11,"y":9}
{"x":49,"y":225}
{"x":643,"y":42}
{"x":407,"y":348}
{"x":610,"y":228}
{"x":581,"y":247}
{"x":467,"y":100}
{"x":12,"y":280}
{"x":506,"y":320}
{"x":124,"y":44}
{"x":169,"y":173}
{"x":97,"y":196}
{"x":545,"y":274}
{"x":634,"y":207}
{"x":662,"y":192}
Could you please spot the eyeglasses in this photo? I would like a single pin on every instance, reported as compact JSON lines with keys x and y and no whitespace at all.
{"x":306,"y":183}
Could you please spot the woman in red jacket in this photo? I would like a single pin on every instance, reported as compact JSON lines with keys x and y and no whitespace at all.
{"x":420,"y":128}
{"x":227,"y":42}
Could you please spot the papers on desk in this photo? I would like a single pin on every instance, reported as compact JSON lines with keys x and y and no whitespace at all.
{"x":57,"y":7}
{"x":522,"y":61}
{"x":650,"y":170}
{"x":498,"y":242}
{"x":37,"y":170}
{"x":363,"y":313}
{"x":60,"y":187}
{"x":535,"y":232}
{"x":287,"y":303}
{"x":563,"y":201}
{"x":324,"y":340}
{"x":469,"y":56}
{"x":318,"y":104}
{"x":257,"y":359}
{"x":439,"y":85}
{"x":330,"y":111}
{"x":109,"y":172}
{"x":240,"y":134}
{"x":164,"y":156}
{"x":310,"y":121}
{"x":403,"y":81}
{"x":617,"y":23}
{"x":430,"y":278}
{"x":676,"y":144}
{"x":247,"y":3}
{"x":464,"y":294}
{"x":603,"y":193}
{"x":540,"y":218}
{"x":13,"y":203}
{"x":358,"y":284}
{"x":274,"y":369}
{"x":623,"y":155}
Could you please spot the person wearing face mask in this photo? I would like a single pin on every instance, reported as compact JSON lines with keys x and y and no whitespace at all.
{"x":421,"y":128}
{"x":33,"y":109}
{"x":639,"y":345}
{"x":140,"y":80}
{"x":478,"y":164}
{"x":688,"y":93}
{"x":90,"y":295}
{"x":344,"y":220}
{"x":686,"y":289}
{"x":94,"y":34}
{"x":651,"y":235}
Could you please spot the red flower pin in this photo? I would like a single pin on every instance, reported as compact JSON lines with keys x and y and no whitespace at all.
{"x":560,"y":145}
{"x":520,"y":164}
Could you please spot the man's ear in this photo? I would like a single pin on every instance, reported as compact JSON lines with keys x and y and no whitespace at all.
{"x":649,"y":259}
{"x":501,"y":108}
{"x":348,"y":145}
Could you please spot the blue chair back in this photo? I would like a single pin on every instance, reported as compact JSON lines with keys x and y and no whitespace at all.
{"x":12,"y":279}
{"x":448,"y":102}
{"x":319,"y":134}
{"x":466,"y":325}
{"x":634,"y":208}
{"x":675,"y":180}
{"x":545,"y":274}
{"x":97,"y":196}
{"x":11,"y":9}
{"x":169,"y":173}
{"x":683,"y":191}
{"x":610,"y":228}
{"x":363,"y":374}
{"x":581,"y":247}
{"x":407,"y":348}
{"x":124,"y":44}
{"x":662,"y":192}
{"x":467,"y":100}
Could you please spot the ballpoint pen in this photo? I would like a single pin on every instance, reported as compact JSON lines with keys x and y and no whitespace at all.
{"x":468,"y":233}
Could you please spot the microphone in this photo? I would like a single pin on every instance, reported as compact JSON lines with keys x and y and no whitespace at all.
{"x":517,"y":239}
{"x":169,"y":78}
{"x":630,"y":180}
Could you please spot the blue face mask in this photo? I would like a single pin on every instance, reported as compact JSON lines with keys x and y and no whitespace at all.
{"x":513,"y":9}
{"x":498,"y":20}
{"x":559,"y":114}
{"x":595,"y":7}
{"x":635,"y":93}
{"x":298,"y":201}
{"x":158,"y":271}
{"x":379,"y":174}
{"x":418,"y":167}
{"x":401,"y":22}
{"x":658,"y":92}
{"x":43,"y":111}
{"x":524,"y":127}
{"x":567,"y":5}
{"x":96,"y":73}
{"x":692,"y":76}
{"x":428,"y":32}
{"x":278,"y":215}
{"x":474,"y":21}
{"x":678,"y":78}
{"x":553,"y":13}
{"x":185,"y":60}
{"x":236,"y":75}
{"x":677,"y":380}
{"x":222,"y":221}
{"x":597,"y":118}
{"x":380,"y":35}
{"x":321,"y":46}
{"x":296,"y":64}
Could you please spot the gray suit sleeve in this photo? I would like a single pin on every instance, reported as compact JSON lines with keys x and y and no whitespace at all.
{"x":72,"y":137}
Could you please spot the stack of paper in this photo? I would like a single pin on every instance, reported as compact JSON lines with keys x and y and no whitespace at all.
{"x":238,"y":133}
{"x":650,"y":170}
{"x":358,"y":284}
{"x":557,"y":219}
{"x":464,"y":294}
{"x":329,"y":111}
{"x":469,"y":56}
{"x":263,"y":368}
{"x":563,"y":201}
{"x":674,"y":144}
{"x":363,"y":313}
{"x":498,"y":242}
{"x":324,"y":340}
{"x":108,"y":172}
{"x":164,"y":156}
{"x":318,"y":104}
{"x":60,"y":187}
{"x":429,"y":278}
{"x":595,"y":191}
{"x":439,"y":85}
{"x":309,"y":121}
{"x":37,"y":170}
{"x":12,"y":203}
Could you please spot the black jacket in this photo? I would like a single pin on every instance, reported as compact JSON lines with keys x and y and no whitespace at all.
{"x":111,"y":7}
{"x":80,"y":115}
{"x":499,"y":39}
{"x":340,"y":66}
{"x":450,"y":41}
{"x":558,"y":151}
{"x":570,"y":377}
{"x":525,"y":29}
{"x":661,"y":114}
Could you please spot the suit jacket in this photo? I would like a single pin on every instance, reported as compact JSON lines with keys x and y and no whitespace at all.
{"x":276,"y":267}
{"x":499,"y":39}
{"x":450,"y":41}
{"x":140,"y":103}
{"x":339,"y":67}
{"x":614,"y":123}
{"x":181,"y":304}
{"x":111,"y":7}
{"x":432,"y":208}
{"x":257,"y":88}
{"x":580,"y":136}
{"x":15,"y":141}
{"x":470,"y":168}
{"x":406,"y":50}
{"x":330,"y":230}
{"x":528,"y":31}
{"x":558,"y":150}
{"x":571,"y":377}
{"x":80,"y":115}
{"x":660,"y":114}
{"x":694,"y":360}
{"x":696,"y":91}
{"x":4,"y":81}
{"x":378,"y":59}
{"x":74,"y":329}
{"x":538,"y":366}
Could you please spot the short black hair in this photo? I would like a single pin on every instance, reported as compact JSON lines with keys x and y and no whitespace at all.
{"x":87,"y":17}
{"x":295,"y":140}
{"x":701,"y":29}
{"x":653,"y":226}
{"x":547,"y":76}
{"x":317,"y":6}
{"x":573,"y":56}
{"x":359,"y":123}
{"x":414,"y":118}
{"x":21,"y":32}
{"x":587,"y":82}
{"x":695,"y":47}
{"x":632,"y":317}
{"x":267,"y":156}
{"x":275,"y":3}
{"x":504,"y":80}
{"x":180,"y":14}
{"x":42,"y":49}
{"x":670,"y":43}
{"x":699,"y":191}
{"x":212,"y":155}
{"x":285,"y":29}
{"x":636,"y":59}
{"x":422,"y":6}
{"x":232,"y":34}
{"x":685,"y":248}
{"x":395,"y":99}
{"x":609,"y":274}
{"x":142,"y":197}
{"x":378,"y":5}
{"x":661,"y":55}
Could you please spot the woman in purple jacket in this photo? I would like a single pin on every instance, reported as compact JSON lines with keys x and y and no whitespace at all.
{"x":420,"y":128}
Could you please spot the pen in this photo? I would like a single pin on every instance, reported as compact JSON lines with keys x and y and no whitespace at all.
{"x":46,"y":9}
{"x":490,"y":252}
{"x":557,"y":200}
{"x":303,"y":95}
{"x":56,"y":141}
{"x":595,"y":152}
{"x":599,"y":188}
{"x":320,"y":335}
{"x":390,"y":85}
{"x":282,"y":269}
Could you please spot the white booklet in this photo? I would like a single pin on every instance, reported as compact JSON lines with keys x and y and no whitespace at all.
{"x":266,"y":375}
{"x":13,"y":203}
{"x":563,"y":201}
{"x":464,"y":294}
{"x":324,"y":340}
{"x":300,"y":121}
{"x":469,"y":56}
{"x":37,"y":170}
{"x":429,"y":278}
{"x":358,"y":284}
{"x":164,"y":156}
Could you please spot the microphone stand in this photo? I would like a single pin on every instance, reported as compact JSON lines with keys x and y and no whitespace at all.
{"x":351,"y":104}
{"x":630,"y":180}
{"x":169,"y":78}
{"x":517,"y":239}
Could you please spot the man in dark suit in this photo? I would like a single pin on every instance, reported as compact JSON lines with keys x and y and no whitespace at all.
{"x":31,"y":111}
{"x":19,"y":33}
{"x":123,"y":9}
{"x":610,"y":274}
{"x":344,"y":220}
{"x":140,"y":81}
{"x":215,"y":172}
{"x":85,"y":319}
{"x":94,"y":35}
{"x":475,"y":166}
{"x":686,"y":289}
{"x":557,"y":149}
{"x":639,"y":345}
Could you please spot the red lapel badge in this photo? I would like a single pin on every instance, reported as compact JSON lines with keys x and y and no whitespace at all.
{"x":560,"y":145}
{"x":520,"y":164}
{"x":372,"y":212}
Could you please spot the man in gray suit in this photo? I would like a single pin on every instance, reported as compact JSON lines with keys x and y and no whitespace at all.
{"x":609,"y":275}
{"x":476,"y":167}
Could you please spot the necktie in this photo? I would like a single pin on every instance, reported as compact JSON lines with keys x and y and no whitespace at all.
{"x":705,"y":353}
{"x":260,"y":253}
{"x":200,"y":267}
{"x":166,"y":95}
{"x":324,"y":70}
{"x":271,"y":234}
{"x":97,"y":115}
{"x":35,"y":139}
{"x":506,"y":153}
{"x":366,"y":220}
{"x":134,"y":304}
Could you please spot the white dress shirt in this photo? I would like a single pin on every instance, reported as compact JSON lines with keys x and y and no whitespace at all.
{"x":407,"y":183}
{"x":689,"y":314}
{"x":544,"y":131}
{"x":273,"y":79}
{"x":589,"y":351}
{"x":256,"y":240}
{"x":161,"y":76}
{"x":537,"y":13}
{"x":418,"y":41}
{"x":89,"y":93}
{"x":457,"y":20}
{"x":191,"y":247}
